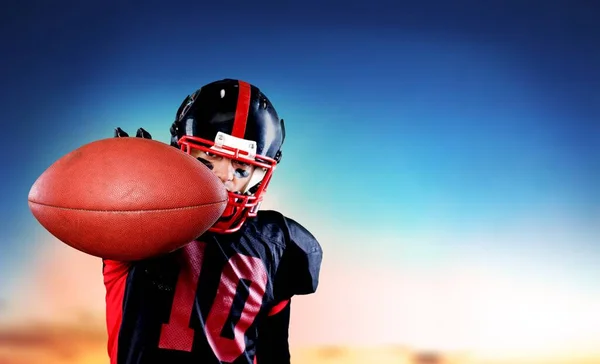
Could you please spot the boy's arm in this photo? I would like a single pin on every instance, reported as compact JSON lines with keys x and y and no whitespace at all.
{"x":273,"y":346}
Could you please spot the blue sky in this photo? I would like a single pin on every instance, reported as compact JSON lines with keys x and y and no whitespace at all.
{"x":401,"y":118}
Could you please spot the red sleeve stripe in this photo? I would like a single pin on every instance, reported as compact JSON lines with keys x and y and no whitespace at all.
{"x":242,"y":109}
{"x":278,"y":307}
{"x":115,"y":280}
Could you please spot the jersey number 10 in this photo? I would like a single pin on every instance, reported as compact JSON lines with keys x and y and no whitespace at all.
{"x":177,"y":334}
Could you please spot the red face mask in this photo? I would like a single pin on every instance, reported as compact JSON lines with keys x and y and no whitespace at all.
{"x":240,"y":205}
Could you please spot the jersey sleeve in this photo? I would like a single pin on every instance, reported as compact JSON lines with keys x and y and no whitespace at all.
{"x":300,"y":266}
{"x":273,"y":333}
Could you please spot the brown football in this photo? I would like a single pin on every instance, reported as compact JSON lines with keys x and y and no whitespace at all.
{"x":127,"y":198}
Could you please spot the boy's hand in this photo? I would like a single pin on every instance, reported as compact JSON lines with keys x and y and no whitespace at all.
{"x":141,"y":133}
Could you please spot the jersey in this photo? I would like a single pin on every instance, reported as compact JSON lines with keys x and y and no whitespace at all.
{"x":204,"y":302}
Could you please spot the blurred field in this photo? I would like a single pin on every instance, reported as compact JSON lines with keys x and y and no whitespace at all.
{"x":404,"y":355}
{"x":77,"y":344}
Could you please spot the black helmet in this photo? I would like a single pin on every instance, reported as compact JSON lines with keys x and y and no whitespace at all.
{"x":235,"y":108}
{"x":237,"y":120}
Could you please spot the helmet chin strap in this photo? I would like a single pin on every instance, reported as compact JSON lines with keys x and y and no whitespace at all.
{"x":257,"y":175}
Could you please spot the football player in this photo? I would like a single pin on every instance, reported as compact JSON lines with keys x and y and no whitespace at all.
{"x":225,"y":297}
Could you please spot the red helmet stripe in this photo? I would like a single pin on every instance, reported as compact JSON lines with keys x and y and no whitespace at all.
{"x":241,"y":111}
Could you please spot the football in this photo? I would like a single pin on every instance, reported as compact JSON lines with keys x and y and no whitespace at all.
{"x":127,"y":198}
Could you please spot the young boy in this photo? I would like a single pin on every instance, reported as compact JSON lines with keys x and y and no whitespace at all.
{"x":225,"y":297}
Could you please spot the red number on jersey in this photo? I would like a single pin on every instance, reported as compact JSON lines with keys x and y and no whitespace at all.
{"x":177,"y":335}
{"x":239,"y":267}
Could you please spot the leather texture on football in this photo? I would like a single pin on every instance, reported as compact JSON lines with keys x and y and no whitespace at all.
{"x":127,"y":198}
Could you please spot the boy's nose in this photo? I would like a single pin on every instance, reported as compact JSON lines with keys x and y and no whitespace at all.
{"x":224,"y":170}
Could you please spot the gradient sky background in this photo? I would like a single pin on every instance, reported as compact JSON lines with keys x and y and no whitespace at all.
{"x":447,"y":156}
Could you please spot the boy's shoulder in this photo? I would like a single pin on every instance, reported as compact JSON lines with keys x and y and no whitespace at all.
{"x":271,"y":222}
{"x":302,"y":251}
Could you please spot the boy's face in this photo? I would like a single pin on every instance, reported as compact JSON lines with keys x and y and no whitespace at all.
{"x":234,"y":174}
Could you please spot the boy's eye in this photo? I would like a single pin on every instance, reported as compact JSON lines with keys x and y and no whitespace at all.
{"x":209,"y":154}
{"x":241,"y":173}
{"x":205,"y":162}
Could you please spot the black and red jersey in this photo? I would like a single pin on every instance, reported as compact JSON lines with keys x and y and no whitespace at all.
{"x":204,"y":302}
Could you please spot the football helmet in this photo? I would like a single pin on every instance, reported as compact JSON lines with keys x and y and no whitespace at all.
{"x":233,"y":119}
